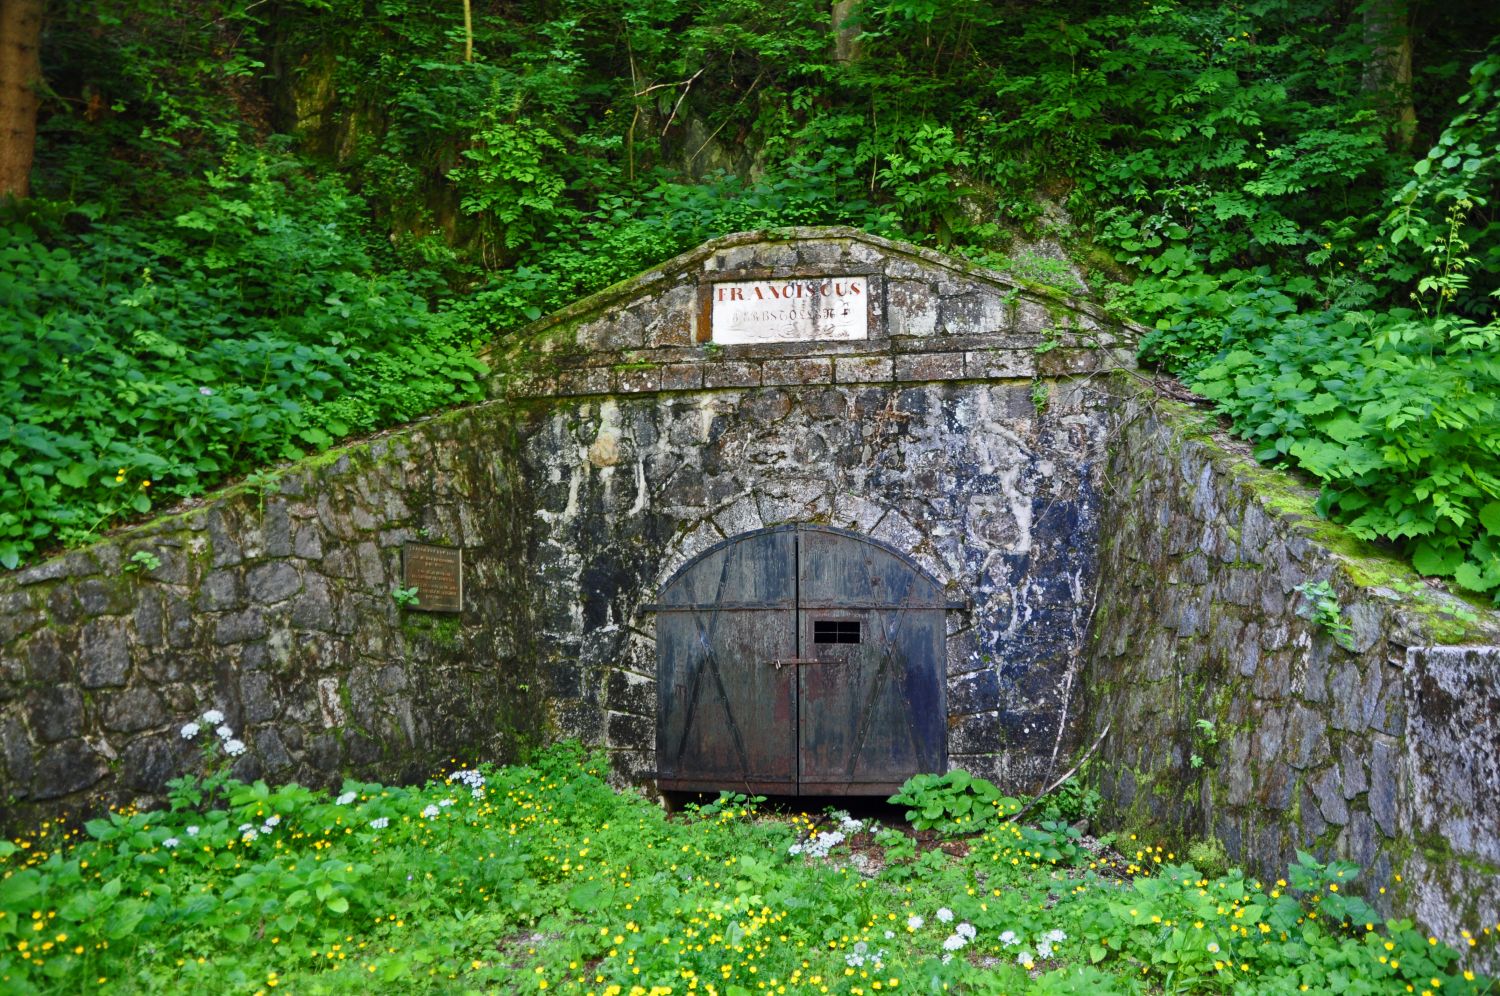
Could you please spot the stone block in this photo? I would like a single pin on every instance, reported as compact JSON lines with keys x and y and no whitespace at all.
{"x":862,"y":369}
{"x":1384,"y":786}
{"x":624,"y":730}
{"x":681,"y":376}
{"x":100,"y":597}
{"x":16,"y":751}
{"x":800,"y":370}
{"x":137,"y":708}
{"x":631,"y":693}
{"x":733,"y":373}
{"x":913,"y":308}
{"x":616,"y":330}
{"x":1327,"y":788}
{"x":273,"y":754}
{"x":820,"y":253}
{"x":218,"y":591}
{"x":56,"y":713}
{"x":583,"y":380}
{"x":930,"y":366}
{"x":637,"y":380}
{"x":105,"y":652}
{"x":974,"y":733}
{"x":999,"y":364}
{"x":257,"y":697}
{"x":982,"y":312}
{"x":274,"y":582}
{"x":240,"y":627}
{"x":977,"y":691}
{"x":65,"y":768}
{"x":672,"y":324}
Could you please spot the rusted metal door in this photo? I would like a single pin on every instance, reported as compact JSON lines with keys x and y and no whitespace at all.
{"x":800,"y":659}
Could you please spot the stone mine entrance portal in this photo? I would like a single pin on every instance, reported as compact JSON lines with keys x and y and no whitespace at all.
{"x":800,"y":659}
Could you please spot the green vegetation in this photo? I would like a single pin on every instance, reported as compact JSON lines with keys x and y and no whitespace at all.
{"x":541,"y":878}
{"x":1321,"y":605}
{"x":315,"y":208}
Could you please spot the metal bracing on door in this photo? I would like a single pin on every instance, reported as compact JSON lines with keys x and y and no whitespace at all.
{"x":800,"y":660}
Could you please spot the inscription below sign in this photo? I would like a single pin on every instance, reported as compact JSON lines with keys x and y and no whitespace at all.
{"x":800,"y":309}
{"x":437,"y":572}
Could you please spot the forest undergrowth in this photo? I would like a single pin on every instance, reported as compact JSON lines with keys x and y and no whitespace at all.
{"x":259,"y":228}
{"x":542,"y":878}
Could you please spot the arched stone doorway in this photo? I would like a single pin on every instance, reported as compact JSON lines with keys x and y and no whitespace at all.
{"x":800,"y":659}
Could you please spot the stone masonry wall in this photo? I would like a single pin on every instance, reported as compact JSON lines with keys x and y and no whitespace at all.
{"x":965,"y":431}
{"x":275,"y":607}
{"x":1385,"y":754}
{"x":994,"y":498}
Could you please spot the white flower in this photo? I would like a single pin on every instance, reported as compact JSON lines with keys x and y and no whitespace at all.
{"x":224,"y":732}
{"x":1025,"y":958}
{"x":430,"y":812}
{"x":381,"y":823}
{"x":446,"y":803}
{"x":190,"y":730}
{"x":469,"y":777}
{"x":1213,"y":947}
{"x":345,"y":799}
{"x":477,"y":793}
{"x":914,"y":922}
{"x":945,"y":914}
{"x":890,"y":934}
{"x":1043,"y":949}
{"x":966,"y":931}
{"x":246,"y":826}
{"x":1056,"y":936}
{"x":249,"y":835}
{"x":205,"y":391}
{"x":953,"y":942}
{"x":170,"y":842}
{"x":213,"y":717}
{"x":273,"y":819}
{"x":233,"y":748}
{"x":192,"y":831}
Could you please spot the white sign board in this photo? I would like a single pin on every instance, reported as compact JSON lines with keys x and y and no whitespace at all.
{"x":794,"y":310}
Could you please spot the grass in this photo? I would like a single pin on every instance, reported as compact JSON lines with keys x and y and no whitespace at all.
{"x":542,"y":878}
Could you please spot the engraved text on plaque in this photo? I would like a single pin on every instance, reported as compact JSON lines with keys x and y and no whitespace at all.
{"x":437,"y":572}
{"x":791,"y":310}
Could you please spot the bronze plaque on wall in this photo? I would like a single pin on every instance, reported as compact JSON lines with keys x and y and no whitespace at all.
{"x":437,"y":572}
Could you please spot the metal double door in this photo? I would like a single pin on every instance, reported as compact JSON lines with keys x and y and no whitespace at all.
{"x":800,"y":660}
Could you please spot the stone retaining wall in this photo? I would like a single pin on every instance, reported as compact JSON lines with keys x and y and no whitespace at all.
{"x":1385,"y":754}
{"x":275,"y":606}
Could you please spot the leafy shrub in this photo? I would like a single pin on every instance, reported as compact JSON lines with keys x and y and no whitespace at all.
{"x":156,"y":358}
{"x":954,"y":802}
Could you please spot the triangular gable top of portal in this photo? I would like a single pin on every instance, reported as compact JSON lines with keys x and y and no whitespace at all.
{"x":835,"y":297}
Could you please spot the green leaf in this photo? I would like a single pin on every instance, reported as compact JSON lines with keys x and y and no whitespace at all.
{"x":21,"y":886}
{"x":1474,"y":577}
{"x":75,"y":475}
{"x":339,"y":904}
{"x":1489,"y":517}
{"x":1438,"y":560}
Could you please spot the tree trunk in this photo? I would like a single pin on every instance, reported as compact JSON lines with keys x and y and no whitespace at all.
{"x":1388,"y":33}
{"x":20,"y":74}
{"x":846,"y":46}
